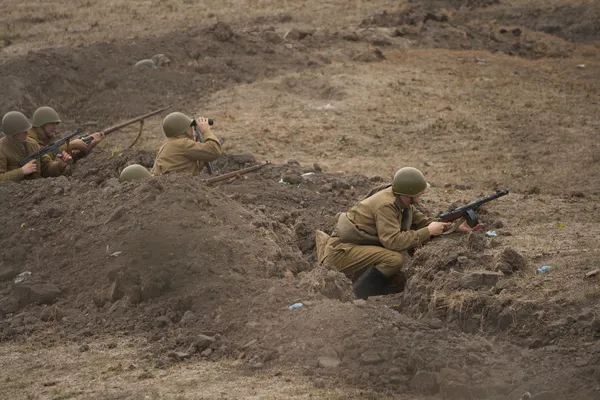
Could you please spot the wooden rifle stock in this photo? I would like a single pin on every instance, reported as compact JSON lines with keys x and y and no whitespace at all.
{"x":234,"y":174}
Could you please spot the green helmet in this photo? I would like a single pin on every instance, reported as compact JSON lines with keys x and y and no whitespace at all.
{"x":409,"y":181}
{"x":15,"y":122}
{"x":45,"y":115}
{"x":176,"y":123}
{"x":133,"y":173}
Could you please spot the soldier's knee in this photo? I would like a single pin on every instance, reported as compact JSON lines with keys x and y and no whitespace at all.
{"x":392,"y":264}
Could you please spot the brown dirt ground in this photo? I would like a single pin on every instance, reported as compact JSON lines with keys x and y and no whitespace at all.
{"x":169,"y":288}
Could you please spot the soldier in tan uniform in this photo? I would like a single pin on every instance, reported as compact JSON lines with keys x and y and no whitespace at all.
{"x":371,"y":240}
{"x":45,"y":128}
{"x":16,"y":145}
{"x":181,"y":152}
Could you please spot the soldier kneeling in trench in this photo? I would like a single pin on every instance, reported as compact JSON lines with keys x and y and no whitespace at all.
{"x":371,"y":240}
{"x":45,"y":128}
{"x":181,"y":152}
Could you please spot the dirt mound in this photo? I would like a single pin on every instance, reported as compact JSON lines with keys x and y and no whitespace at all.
{"x":439,"y":25}
{"x":574,"y":22}
{"x":210,"y":272}
{"x":84,"y":84}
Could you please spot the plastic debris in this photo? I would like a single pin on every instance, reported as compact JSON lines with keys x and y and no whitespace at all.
{"x":543,"y":269}
{"x":592,"y":273}
{"x":491,"y":234}
{"x":307,"y":174}
{"x":22,"y":277}
{"x":295,"y":305}
{"x":581,"y":66}
{"x":283,"y":182}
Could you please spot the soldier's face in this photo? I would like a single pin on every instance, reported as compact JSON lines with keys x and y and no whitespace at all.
{"x":20,"y":137}
{"x":50,"y":129}
{"x":407,"y":200}
{"x":190,"y":133}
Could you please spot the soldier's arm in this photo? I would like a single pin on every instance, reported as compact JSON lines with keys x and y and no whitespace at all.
{"x":390,"y":234}
{"x":208,"y":150}
{"x":420,"y":220}
{"x":51,"y":168}
{"x":76,"y":144}
{"x":16,"y":175}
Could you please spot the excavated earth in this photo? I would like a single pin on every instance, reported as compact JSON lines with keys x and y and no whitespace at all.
{"x":481,"y":95}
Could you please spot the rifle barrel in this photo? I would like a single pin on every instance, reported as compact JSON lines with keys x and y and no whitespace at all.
{"x":235,"y":173}
{"x":131,"y":121}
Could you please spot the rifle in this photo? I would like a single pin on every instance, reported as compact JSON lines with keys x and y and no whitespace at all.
{"x":468,"y":211}
{"x":53,"y":148}
{"x":88,"y":139}
{"x":235,"y":174}
{"x":209,"y":165}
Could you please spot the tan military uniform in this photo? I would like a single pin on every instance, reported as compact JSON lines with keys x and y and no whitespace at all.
{"x":182,"y":154}
{"x":375,"y":232}
{"x":12,"y":152}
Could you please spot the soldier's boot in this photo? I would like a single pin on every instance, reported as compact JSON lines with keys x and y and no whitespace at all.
{"x":371,"y":283}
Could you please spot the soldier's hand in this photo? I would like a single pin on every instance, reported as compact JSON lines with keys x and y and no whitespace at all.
{"x":29,"y":168}
{"x":464,"y":227}
{"x":63,"y":158}
{"x":203,"y":125}
{"x":97,"y":138}
{"x":436,"y":228}
{"x":78,"y":145}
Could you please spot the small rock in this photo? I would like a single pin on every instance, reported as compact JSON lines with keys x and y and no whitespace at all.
{"x":145,"y":375}
{"x":51,"y":314}
{"x":425,"y":382}
{"x":202,"y":342}
{"x":116,"y":293}
{"x":292,"y":179}
{"x":271,"y":37}
{"x":207,"y":352}
{"x":36,"y":293}
{"x":146,"y":63}
{"x":505,"y":319}
{"x":178,"y":355}
{"x":351,"y":37}
{"x":360,"y":303}
{"x":498,"y":224}
{"x":84,"y":347}
{"x":328,"y":362}
{"x":504,"y":284}
{"x":317,"y":167}
{"x":435,"y":323}
{"x":116,"y":215}
{"x":188,"y":318}
{"x":370,"y":358}
{"x":477,"y":279}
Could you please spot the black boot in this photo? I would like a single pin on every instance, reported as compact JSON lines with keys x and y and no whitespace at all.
{"x":371,"y":283}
